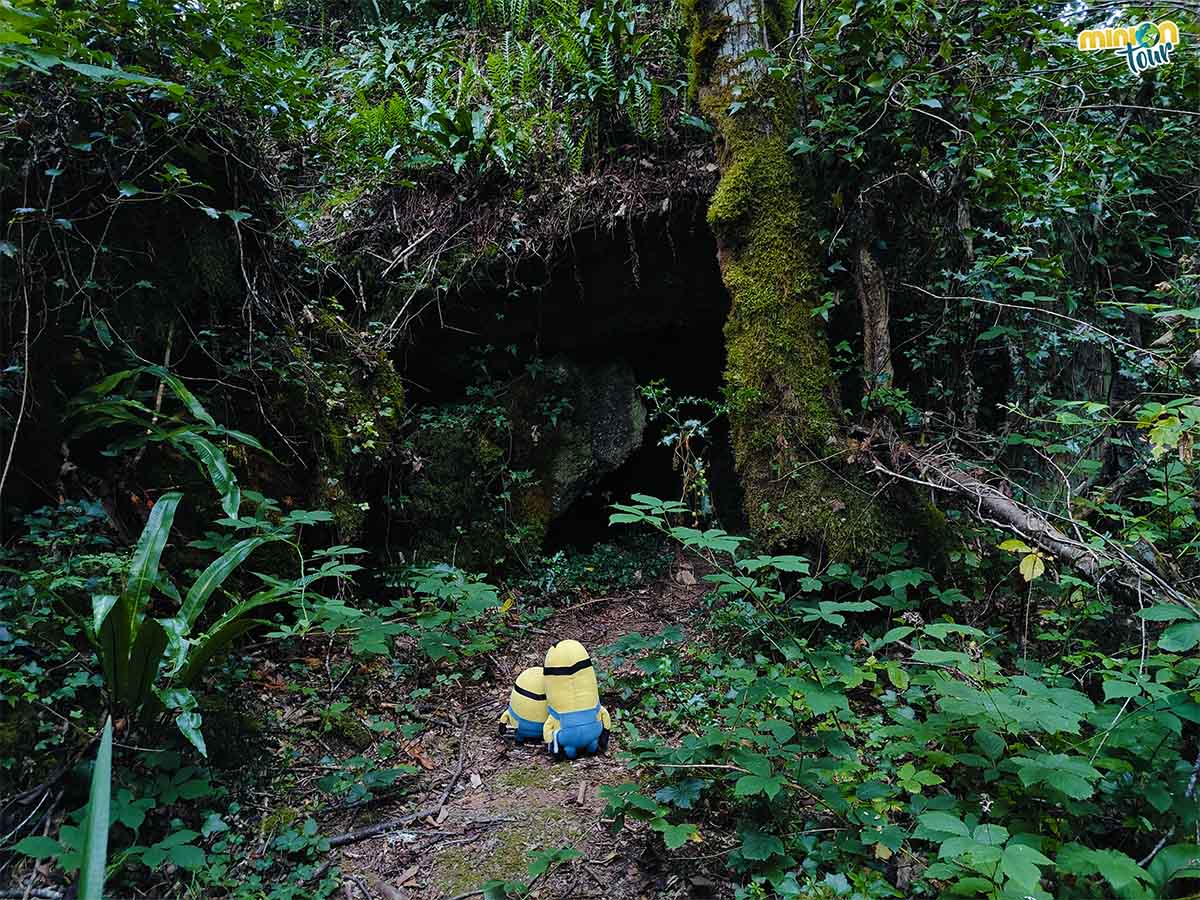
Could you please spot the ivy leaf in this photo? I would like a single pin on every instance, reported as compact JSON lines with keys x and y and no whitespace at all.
{"x":675,"y":836}
{"x":1180,"y":638}
{"x":125,"y":189}
{"x":822,"y":700}
{"x":186,"y":856}
{"x":39,"y":847}
{"x":749,"y":785}
{"x":682,"y":795}
{"x":1020,"y":863}
{"x":1032,"y":566}
{"x":759,"y":846}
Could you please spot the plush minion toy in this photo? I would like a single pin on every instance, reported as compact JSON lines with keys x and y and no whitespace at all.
{"x":526,"y":713}
{"x":576,"y":722}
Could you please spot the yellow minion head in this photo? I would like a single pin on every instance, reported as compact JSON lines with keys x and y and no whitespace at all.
{"x":528,"y":698}
{"x":526,"y":711}
{"x":569,"y":678}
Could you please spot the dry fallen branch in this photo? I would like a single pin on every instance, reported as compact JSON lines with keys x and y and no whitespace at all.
{"x":1099,"y":564}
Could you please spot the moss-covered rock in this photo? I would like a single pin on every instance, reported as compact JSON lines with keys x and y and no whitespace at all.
{"x":478,"y":488}
{"x":602,"y":427}
{"x":353,"y":398}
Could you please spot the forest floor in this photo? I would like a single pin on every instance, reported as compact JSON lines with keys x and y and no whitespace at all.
{"x":483,"y":803}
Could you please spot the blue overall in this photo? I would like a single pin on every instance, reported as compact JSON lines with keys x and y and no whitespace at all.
{"x":579,"y":730}
{"x":526,"y":728}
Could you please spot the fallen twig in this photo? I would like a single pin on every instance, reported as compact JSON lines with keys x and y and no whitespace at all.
{"x":945,"y":472}
{"x":362,"y":834}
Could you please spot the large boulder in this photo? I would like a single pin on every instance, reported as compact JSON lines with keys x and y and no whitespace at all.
{"x":477,"y":492}
{"x":601,"y":431}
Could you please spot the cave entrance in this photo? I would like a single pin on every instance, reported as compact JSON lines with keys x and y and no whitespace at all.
{"x":646,"y":299}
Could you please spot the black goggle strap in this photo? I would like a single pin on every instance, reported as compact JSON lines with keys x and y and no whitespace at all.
{"x":530,"y":694}
{"x":584,"y":663}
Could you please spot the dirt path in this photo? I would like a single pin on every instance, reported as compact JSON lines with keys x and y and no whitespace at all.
{"x":508,"y":800}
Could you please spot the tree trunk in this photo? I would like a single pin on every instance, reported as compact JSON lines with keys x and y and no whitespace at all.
{"x":788,"y":440}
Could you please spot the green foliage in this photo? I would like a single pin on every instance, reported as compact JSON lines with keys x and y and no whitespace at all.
{"x":561,"y":84}
{"x":686,"y":423}
{"x":134,"y":647}
{"x":833,"y":739}
{"x":628,"y":562}
{"x":100,"y":407}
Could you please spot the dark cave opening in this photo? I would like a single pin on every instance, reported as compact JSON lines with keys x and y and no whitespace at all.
{"x":650,"y":295}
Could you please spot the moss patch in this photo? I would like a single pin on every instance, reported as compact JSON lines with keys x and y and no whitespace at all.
{"x":504,"y":854}
{"x":354,"y":398}
{"x":783,"y":406}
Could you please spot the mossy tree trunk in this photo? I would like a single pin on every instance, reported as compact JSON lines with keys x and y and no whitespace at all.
{"x":789,"y":444}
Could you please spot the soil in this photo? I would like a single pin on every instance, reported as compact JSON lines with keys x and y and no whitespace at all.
{"x":490,"y":802}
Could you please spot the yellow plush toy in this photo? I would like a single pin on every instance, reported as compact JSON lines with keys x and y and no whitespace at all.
{"x":526,"y":713}
{"x":575,"y":719}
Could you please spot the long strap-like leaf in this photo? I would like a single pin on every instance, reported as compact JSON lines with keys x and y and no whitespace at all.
{"x":214,"y":576}
{"x":95,"y":827}
{"x":119,"y":628}
{"x":217,"y":466}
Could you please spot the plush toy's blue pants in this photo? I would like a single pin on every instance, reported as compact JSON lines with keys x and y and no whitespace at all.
{"x":526,"y":728}
{"x":579,"y":730}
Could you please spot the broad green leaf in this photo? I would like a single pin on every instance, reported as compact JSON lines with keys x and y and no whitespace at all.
{"x":944,"y":822}
{"x":1015,"y":546}
{"x":1032,"y":566}
{"x":143,"y":573}
{"x":1115,"y":867}
{"x":118,"y":629}
{"x":1020,"y":863}
{"x":749,"y":785}
{"x":215,"y":641}
{"x":1180,"y":638}
{"x":990,"y":834}
{"x":144,"y":659}
{"x":189,"y":726}
{"x":102,"y":604}
{"x":186,"y":397}
{"x":38,"y":846}
{"x":1165,"y":612}
{"x":1119,"y":690}
{"x":675,"y":836}
{"x":1175,"y":861}
{"x":760,"y":846}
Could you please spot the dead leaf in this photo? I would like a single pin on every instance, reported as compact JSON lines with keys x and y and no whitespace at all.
{"x":476,"y":781}
{"x":416,"y":752}
{"x":408,"y":875}
{"x":582,"y":793}
{"x":441,"y":816}
{"x":685,"y":577}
